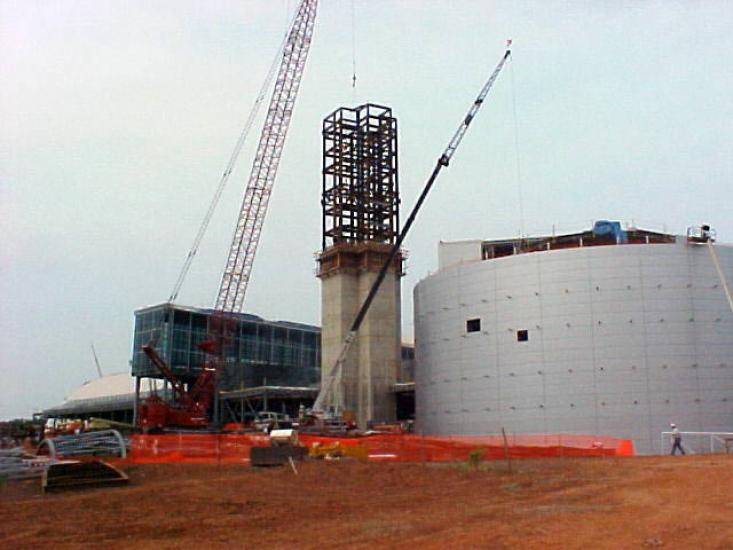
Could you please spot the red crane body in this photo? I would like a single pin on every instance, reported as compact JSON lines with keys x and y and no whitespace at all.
{"x":189,"y":409}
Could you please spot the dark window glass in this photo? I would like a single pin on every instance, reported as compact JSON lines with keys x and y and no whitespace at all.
{"x":199,"y":321}
{"x":473,"y":325}
{"x":279,"y":348}
{"x":264,"y":344}
{"x":181,"y":319}
{"x":522,"y":335}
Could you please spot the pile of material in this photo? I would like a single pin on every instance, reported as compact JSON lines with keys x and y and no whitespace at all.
{"x":18,"y":464}
{"x":57,"y":472}
{"x":74,"y":474}
{"x":284,"y":448}
{"x":96,"y":443}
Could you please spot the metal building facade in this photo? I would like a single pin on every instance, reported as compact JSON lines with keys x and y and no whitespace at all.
{"x":615,"y":340}
{"x":258,"y":353}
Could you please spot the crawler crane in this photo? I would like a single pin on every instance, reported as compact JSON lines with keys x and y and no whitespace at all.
{"x":190,"y":406}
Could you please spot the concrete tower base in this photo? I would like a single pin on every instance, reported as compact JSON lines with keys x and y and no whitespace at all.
{"x":347,"y":271}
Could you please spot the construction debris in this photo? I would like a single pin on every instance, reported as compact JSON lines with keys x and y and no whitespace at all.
{"x":98,"y":443}
{"x":337,"y":451}
{"x":276,"y":456}
{"x":18,"y":464}
{"x":284,"y":448}
{"x":73,"y":474}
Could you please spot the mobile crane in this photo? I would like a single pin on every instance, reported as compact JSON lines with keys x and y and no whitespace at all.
{"x":327,"y":401}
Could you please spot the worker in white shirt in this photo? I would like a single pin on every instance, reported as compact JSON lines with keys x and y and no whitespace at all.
{"x":676,"y":440}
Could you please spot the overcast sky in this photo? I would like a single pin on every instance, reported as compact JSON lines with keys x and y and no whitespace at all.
{"x":117,"y":119}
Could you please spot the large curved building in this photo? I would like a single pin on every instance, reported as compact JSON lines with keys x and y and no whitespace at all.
{"x":605,"y":332}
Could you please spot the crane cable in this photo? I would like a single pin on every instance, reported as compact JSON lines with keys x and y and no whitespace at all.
{"x":248,"y":228}
{"x":516,"y":150}
{"x":229,"y":168}
{"x":353,"y":45}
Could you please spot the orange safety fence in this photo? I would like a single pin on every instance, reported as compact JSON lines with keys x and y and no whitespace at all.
{"x":193,"y":448}
{"x":235,"y":448}
{"x":414,"y":448}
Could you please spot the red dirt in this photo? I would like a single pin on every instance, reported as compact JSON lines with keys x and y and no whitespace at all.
{"x":670,"y":502}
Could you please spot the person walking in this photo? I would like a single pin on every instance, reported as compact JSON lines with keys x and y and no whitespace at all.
{"x":676,"y":440}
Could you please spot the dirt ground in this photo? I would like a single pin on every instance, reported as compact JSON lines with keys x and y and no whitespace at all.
{"x":592,"y":503}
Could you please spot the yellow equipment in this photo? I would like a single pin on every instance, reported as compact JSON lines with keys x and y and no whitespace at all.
{"x":336,"y":450}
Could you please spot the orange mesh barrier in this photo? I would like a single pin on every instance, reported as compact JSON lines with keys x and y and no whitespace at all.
{"x":235,"y":448}
{"x":194,"y":448}
{"x":412,"y":448}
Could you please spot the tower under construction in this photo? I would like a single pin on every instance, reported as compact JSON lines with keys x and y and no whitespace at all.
{"x":360,"y":203}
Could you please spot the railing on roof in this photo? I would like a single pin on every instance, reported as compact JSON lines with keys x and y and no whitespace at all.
{"x":497,"y":249}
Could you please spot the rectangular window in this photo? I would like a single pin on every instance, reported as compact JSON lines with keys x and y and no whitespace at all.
{"x":473,"y":325}
{"x":182,"y":319}
{"x":522,"y":335}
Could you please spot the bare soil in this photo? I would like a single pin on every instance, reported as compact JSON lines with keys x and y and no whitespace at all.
{"x":655,"y":502}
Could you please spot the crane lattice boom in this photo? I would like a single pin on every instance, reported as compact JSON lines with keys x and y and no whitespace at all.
{"x":267,"y":159}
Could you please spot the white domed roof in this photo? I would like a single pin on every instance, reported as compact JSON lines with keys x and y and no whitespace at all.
{"x":112,"y":384}
{"x":111,"y":392}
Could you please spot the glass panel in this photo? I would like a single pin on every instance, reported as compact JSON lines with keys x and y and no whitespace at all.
{"x":264,"y":344}
{"x":257,"y":352}
{"x":199,"y":321}
{"x":279,"y":342}
{"x":182,"y":319}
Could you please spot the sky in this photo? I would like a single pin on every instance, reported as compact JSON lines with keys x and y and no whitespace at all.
{"x":118,"y":118}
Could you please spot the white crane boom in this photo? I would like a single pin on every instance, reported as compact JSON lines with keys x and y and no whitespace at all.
{"x":247,"y":233}
{"x":225,"y":176}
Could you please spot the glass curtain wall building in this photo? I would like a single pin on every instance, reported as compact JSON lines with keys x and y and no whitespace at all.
{"x":259,"y":352}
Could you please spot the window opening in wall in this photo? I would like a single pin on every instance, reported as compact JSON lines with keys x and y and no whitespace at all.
{"x":501,"y":250}
{"x":522,"y":335}
{"x":473,"y":325}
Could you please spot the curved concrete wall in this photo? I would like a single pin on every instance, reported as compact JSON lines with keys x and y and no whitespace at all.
{"x":621,"y":341}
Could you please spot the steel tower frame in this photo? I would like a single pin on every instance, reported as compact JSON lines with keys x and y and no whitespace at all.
{"x":238,"y":269}
{"x":360,"y":175}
